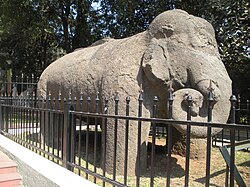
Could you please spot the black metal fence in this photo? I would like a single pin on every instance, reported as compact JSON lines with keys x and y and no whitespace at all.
{"x":76,"y":139}
{"x":242,"y":116}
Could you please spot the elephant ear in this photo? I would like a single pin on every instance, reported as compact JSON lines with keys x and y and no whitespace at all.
{"x":155,"y":62}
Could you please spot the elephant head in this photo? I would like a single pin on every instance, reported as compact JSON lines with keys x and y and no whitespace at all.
{"x":182,"y":51}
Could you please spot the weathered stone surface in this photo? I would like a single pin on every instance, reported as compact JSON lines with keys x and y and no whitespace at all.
{"x":177,"y":49}
{"x":199,"y":110}
{"x":198,"y":148}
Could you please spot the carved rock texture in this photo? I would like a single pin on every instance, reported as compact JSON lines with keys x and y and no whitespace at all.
{"x":178,"y":49}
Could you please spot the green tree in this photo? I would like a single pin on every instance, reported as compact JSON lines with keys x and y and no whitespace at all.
{"x":123,"y":18}
{"x":230,"y":19}
{"x":27,"y":40}
{"x":33,"y":33}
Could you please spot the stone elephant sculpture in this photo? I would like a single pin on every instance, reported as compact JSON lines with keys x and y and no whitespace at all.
{"x":178,"y":49}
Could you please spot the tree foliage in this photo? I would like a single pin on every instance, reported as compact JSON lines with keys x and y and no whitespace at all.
{"x":27,"y":40}
{"x":35,"y":32}
{"x":231,"y":20}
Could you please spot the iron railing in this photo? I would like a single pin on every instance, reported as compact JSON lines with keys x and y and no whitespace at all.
{"x":76,"y":139}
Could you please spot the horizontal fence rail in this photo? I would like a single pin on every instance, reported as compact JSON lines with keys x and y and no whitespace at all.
{"x":75,"y":136}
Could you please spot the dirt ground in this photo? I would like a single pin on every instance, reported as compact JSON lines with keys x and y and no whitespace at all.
{"x":197,"y":171}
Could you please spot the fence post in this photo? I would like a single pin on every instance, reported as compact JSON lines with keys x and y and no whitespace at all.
{"x":6,"y":115}
{"x":152,"y":174}
{"x":104,"y":137}
{"x":169,"y":135}
{"x":232,"y":140}
{"x":189,"y":100}
{"x":209,"y":131}
{"x":66,"y":134}
{"x":1,"y":116}
{"x":126,"y":142}
{"x":237,"y":115}
{"x":138,"y":167}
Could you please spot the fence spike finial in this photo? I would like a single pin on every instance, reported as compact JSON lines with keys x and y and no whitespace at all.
{"x":97,"y":96}
{"x":59,"y":95}
{"x":70,"y":94}
{"x":106,"y":105}
{"x":141,"y":90}
{"x":116,"y":97}
{"x":210,"y":87}
{"x":233,"y":100}
{"x":81,"y":95}
{"x":210,"y":92}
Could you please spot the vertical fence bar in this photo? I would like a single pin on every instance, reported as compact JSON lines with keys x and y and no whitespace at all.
{"x":22,"y":83}
{"x":237,"y":114}
{"x":14,"y":94}
{"x":152,"y":173}
{"x":49,"y":123}
{"x":66,"y":135}
{"x":11,"y":109}
{"x":72,"y":133}
{"x":189,"y":100}
{"x":7,"y":114}
{"x":80,"y":133}
{"x":169,"y":136}
{"x":209,"y":119}
{"x":104,"y":140}
{"x":44,"y":113}
{"x":36,"y":123}
{"x":21,"y":116}
{"x":33,"y":119}
{"x":96,"y":127}
{"x":222,"y":137}
{"x":53,"y":127}
{"x":1,"y":115}
{"x":126,"y":143}
{"x":138,"y":168}
{"x":41,"y":120}
{"x":4,"y":114}
{"x":59,"y":127}
{"x":87,"y":136}
{"x":232,"y":140}
{"x":248,"y":118}
{"x":226,"y":177}
{"x":115,"y":138}
{"x":26,"y":129}
{"x":29,"y":117}
{"x":247,"y":107}
{"x":18,"y":118}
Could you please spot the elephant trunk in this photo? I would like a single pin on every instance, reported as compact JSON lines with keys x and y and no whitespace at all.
{"x":199,"y":109}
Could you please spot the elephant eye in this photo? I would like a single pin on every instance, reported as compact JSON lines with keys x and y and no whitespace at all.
{"x":168,"y":31}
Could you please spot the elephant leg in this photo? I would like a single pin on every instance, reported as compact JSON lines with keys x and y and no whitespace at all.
{"x":116,"y":143}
